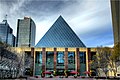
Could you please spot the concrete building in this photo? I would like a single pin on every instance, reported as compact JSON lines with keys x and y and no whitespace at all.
{"x":6,"y":33}
{"x":115,"y":8}
{"x":26,"y":30}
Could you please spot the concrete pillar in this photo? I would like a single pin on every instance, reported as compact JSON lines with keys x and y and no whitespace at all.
{"x":43,"y":59}
{"x":66,"y":58}
{"x":55,"y":58}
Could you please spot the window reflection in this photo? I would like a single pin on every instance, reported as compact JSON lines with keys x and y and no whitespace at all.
{"x":71,"y":58}
{"x":38,"y":57}
{"x":82,"y":57}
{"x":60,"y":57}
{"x":38,"y":63}
{"x":82,"y":63}
{"x":49,"y":60}
{"x":49,"y":57}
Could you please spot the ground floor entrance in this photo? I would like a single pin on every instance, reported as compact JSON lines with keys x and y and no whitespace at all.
{"x":61,"y":60}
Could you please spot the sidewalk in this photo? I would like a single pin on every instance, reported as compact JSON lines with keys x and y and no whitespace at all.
{"x":58,"y":78}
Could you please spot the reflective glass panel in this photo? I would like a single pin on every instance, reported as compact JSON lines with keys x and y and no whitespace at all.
{"x":49,"y":60}
{"x":60,"y":57}
{"x":38,"y":63}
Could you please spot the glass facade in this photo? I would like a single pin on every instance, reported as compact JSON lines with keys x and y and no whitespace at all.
{"x":26,"y":30}
{"x":60,"y":58}
{"x":6,"y":33}
{"x":61,"y":65}
{"x":38,"y":63}
{"x":50,"y":60}
{"x":10,"y":39}
{"x":82,"y":63}
{"x":60,"y":35}
{"x":71,"y":60}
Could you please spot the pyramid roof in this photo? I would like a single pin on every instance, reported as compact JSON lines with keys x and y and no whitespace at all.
{"x":60,"y":35}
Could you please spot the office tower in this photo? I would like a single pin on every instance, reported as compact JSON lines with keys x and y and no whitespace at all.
{"x":26,"y":30}
{"x":11,"y":40}
{"x":6,"y":33}
{"x":115,"y":8}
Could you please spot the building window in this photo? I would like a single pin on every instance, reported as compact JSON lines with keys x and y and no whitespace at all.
{"x":38,"y":57}
{"x":71,"y":58}
{"x":38,"y":63}
{"x":49,"y":60}
{"x":60,"y":57}
{"x":82,"y":57}
{"x":82,"y":63}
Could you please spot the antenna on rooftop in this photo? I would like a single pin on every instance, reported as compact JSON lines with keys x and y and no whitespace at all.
{"x":5,"y":17}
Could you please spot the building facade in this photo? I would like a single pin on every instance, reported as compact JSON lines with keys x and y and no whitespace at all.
{"x":6,"y":33}
{"x":115,"y":8}
{"x":61,"y":59}
{"x":57,"y":59}
{"x":26,"y":30}
{"x":59,"y":50}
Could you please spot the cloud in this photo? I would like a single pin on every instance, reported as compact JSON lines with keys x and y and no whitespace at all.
{"x":90,"y":19}
{"x":92,"y":22}
{"x":13,"y":10}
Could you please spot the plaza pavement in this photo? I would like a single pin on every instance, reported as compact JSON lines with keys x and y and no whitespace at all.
{"x":58,"y":78}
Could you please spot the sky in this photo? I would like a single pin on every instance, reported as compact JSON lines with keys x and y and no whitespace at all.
{"x":89,"y":19}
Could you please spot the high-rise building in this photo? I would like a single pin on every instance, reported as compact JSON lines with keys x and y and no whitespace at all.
{"x":26,"y":30}
{"x":6,"y":33}
{"x":115,"y":8}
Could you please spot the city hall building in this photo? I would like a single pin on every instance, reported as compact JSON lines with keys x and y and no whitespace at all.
{"x":58,"y":50}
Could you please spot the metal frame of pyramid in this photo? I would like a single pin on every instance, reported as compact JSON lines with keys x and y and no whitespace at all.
{"x":60,"y":35}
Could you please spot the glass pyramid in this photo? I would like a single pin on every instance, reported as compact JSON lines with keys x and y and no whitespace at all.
{"x":60,"y":35}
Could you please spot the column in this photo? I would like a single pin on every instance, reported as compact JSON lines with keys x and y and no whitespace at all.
{"x":88,"y":58}
{"x":55,"y":58}
{"x":32,"y":61}
{"x":66,"y":58}
{"x":77,"y":56}
{"x":43,"y":59}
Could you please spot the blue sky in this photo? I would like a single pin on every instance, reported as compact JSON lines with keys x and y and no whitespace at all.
{"x":90,"y":19}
